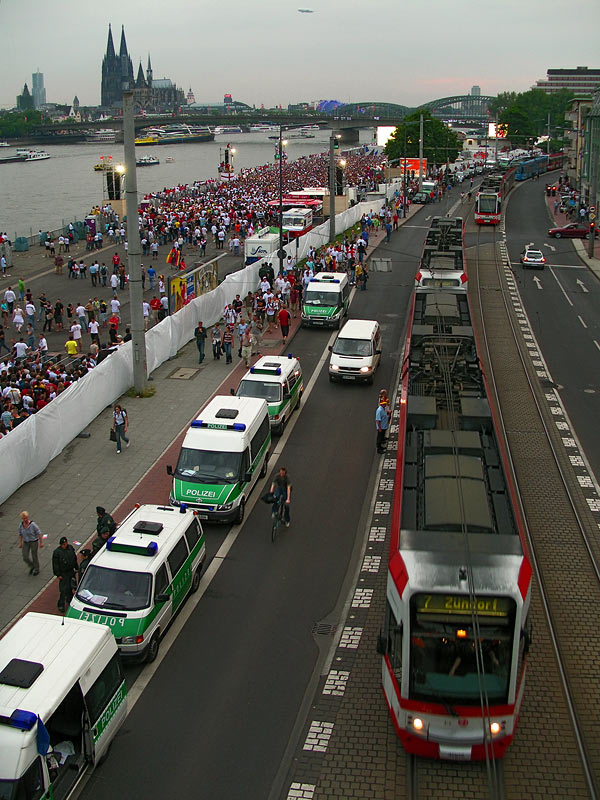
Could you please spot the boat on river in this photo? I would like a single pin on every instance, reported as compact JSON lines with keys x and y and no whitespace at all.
{"x":4,"y":144}
{"x":146,"y":161}
{"x":226,"y":129}
{"x":101,"y":136}
{"x":32,"y":155}
{"x":174,"y":134}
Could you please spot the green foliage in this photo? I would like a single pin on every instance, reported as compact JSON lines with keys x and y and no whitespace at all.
{"x":149,"y":391}
{"x":526,"y":113}
{"x":18,"y":123}
{"x":440,"y":143}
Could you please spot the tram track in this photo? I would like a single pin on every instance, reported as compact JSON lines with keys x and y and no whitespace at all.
{"x":568,"y":579}
{"x":440,"y":780}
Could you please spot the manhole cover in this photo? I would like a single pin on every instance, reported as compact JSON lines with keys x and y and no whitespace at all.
{"x":322,"y":629}
{"x":183,"y":373}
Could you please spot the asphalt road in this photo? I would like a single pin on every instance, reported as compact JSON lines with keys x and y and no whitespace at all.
{"x":216,"y":718}
{"x":563,"y":305}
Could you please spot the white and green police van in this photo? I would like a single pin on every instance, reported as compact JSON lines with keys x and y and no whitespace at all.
{"x":325,"y":300}
{"x":278,"y":380}
{"x":223,"y":454}
{"x":62,"y":701}
{"x":139,"y":579}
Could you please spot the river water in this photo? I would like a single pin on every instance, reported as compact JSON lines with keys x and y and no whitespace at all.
{"x":48,"y":194}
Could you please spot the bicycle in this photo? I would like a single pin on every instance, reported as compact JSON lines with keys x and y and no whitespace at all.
{"x":277,"y":515}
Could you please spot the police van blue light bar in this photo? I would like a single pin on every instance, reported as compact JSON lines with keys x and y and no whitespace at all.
{"x":20,"y":719}
{"x":265,"y":370}
{"x":217,"y":426}
{"x":324,"y":280}
{"x":150,"y":549}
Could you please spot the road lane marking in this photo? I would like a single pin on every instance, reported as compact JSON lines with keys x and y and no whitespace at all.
{"x":582,"y":322}
{"x":561,"y":287}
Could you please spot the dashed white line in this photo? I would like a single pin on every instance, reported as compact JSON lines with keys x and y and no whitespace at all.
{"x":582,"y":322}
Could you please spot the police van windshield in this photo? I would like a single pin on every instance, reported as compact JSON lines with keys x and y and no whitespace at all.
{"x":208,"y":466}
{"x":320,"y":297}
{"x":115,"y":588}
{"x":267,"y":390}
{"x":353,"y":347}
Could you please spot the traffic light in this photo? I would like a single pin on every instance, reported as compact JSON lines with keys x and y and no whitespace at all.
{"x":336,"y":143}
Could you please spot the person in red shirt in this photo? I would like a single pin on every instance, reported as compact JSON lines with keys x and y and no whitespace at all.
{"x":116,"y":259}
{"x":284,"y":322}
{"x":155,"y":306}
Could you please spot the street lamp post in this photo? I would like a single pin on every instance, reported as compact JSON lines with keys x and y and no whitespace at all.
{"x":332,"y":142}
{"x":281,"y":251}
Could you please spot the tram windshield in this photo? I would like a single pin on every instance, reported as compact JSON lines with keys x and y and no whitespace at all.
{"x":487,"y":203}
{"x":443,"y":650}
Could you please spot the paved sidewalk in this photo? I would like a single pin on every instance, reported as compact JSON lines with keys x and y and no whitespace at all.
{"x":62,"y":500}
{"x":558,"y":219}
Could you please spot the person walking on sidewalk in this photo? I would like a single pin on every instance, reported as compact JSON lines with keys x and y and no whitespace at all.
{"x":200,"y":334}
{"x":284,"y":322}
{"x":246,"y":345}
{"x":64,"y":566}
{"x":30,"y":538}
{"x":216,"y":341}
{"x":228,"y":343}
{"x":120,"y":425}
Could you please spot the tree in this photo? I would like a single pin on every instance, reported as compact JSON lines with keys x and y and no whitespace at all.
{"x":440,"y":143}
{"x":534,"y":105}
{"x":519,"y":127}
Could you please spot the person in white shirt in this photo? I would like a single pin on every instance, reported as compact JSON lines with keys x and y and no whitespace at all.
{"x":80,"y":313}
{"x":76,"y":331}
{"x":115,"y":307}
{"x":42,"y":344}
{"x":265,"y":285}
{"x":21,"y":349}
{"x":146,"y":310}
{"x":114,"y":282}
{"x":94,"y":329}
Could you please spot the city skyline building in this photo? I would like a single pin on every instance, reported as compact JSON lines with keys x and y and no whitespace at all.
{"x":37,"y":88}
{"x":475,"y":91}
{"x":580,"y":80}
{"x":25,"y":99}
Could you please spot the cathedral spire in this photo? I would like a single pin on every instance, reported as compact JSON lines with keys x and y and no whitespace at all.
{"x":140,"y":82}
{"x":123,"y":47}
{"x":110,"y":48}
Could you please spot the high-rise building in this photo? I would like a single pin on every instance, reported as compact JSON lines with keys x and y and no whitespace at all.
{"x":580,"y":80}
{"x":190,"y":97}
{"x":37,"y":89}
{"x":475,"y":91}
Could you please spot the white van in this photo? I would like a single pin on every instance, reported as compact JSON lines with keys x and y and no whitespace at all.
{"x":326,"y":300}
{"x":62,"y":701}
{"x":356,"y":353}
{"x":278,"y":380}
{"x":138,"y":580}
{"x":224,"y":453}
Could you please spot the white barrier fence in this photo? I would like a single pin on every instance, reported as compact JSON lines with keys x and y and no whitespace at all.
{"x":27,"y":450}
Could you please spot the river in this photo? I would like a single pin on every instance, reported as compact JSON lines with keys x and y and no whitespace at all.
{"x":48,"y":194}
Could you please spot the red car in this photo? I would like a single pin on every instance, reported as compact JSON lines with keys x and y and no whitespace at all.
{"x":574,"y":230}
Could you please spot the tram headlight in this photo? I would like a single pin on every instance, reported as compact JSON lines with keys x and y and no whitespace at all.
{"x":495,"y":728}
{"x":418,"y":724}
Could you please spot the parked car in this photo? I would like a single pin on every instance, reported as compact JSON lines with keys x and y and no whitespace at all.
{"x":421,"y":197}
{"x":532,"y":258}
{"x":574,"y":230}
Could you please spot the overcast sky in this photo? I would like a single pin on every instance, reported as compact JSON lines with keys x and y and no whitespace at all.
{"x":265,"y":51}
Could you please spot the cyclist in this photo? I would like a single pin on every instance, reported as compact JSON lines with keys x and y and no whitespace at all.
{"x":282,"y":489}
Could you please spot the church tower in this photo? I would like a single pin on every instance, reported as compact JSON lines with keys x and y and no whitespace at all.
{"x":126,"y":65}
{"x":111,"y":89}
{"x":149,"y":73}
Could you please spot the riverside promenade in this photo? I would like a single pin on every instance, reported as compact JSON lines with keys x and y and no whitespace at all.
{"x":62,"y":500}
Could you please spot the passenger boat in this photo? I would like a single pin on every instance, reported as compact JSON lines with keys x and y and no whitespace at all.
{"x":146,"y":161}
{"x":101,"y":136}
{"x":174,"y":134}
{"x":169,"y":159}
{"x":4,"y":144}
{"x":104,"y":164}
{"x":262,"y":128}
{"x":226,"y":129}
{"x":32,"y":155}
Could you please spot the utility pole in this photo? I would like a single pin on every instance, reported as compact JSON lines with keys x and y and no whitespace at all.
{"x":421,"y":152}
{"x":134,"y":249}
{"x":281,"y":251}
{"x":593,"y":199}
{"x":548,"y":142}
{"x":332,"y":140}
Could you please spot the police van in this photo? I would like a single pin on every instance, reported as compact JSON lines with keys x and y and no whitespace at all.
{"x":224,"y":453}
{"x":325,"y":300}
{"x":139,"y":579}
{"x":62,"y":701}
{"x":278,"y":380}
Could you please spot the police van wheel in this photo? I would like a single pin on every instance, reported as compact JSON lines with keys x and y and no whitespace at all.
{"x":240,"y":514}
{"x":196,"y":580}
{"x":263,"y":469}
{"x":152,"y":650}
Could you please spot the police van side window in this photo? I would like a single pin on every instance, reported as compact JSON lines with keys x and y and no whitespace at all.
{"x":107,"y":683}
{"x":259,"y":437}
{"x":192,"y":534}
{"x":161,"y":581}
{"x":177,"y":556}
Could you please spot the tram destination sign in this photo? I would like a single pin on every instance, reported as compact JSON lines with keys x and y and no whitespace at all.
{"x":459,"y":605}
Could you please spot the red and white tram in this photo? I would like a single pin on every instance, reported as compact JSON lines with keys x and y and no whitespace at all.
{"x":456,"y":636}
